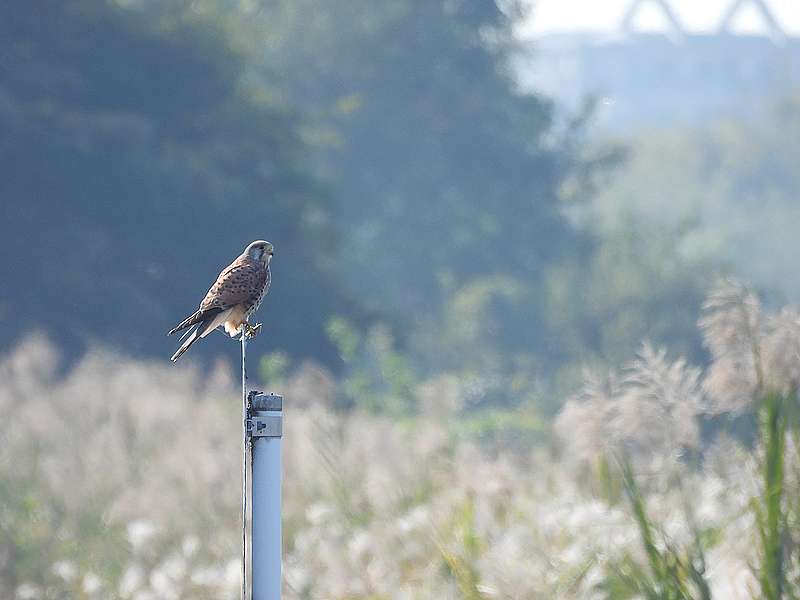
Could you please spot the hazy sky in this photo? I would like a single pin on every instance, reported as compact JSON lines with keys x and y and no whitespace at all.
{"x":553,"y":16}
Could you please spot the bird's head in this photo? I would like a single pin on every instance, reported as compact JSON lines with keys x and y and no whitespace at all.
{"x":260,"y":251}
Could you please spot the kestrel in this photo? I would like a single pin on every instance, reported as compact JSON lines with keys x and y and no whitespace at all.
{"x":236,"y":294}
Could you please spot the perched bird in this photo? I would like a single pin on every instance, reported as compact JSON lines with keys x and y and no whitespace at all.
{"x":236,"y":294}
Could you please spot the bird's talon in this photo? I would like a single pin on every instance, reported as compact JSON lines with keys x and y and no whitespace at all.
{"x":252,"y":331}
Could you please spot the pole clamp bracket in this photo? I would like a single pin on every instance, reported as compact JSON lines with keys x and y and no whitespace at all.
{"x":265,"y":426}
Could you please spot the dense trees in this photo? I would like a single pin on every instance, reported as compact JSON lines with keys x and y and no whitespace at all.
{"x":137,"y":159}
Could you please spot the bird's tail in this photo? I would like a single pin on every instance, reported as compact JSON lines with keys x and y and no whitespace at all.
{"x":189,"y":321}
{"x":207,"y":325}
{"x":185,"y":346}
{"x":200,"y":315}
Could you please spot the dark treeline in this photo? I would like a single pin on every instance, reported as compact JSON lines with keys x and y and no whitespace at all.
{"x":137,"y":159}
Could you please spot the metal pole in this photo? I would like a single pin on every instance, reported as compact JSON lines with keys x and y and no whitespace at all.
{"x":266,"y":429}
{"x":245,"y":444}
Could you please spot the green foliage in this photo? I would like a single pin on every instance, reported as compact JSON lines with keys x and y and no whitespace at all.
{"x":483,"y":335}
{"x":507,"y":428}
{"x":674,"y":574}
{"x":345,"y":338}
{"x":461,"y":552}
{"x":682,"y":207}
{"x":472,"y":331}
{"x":377,"y":378}
{"x":771,"y":509}
{"x":273,"y":367}
{"x":611,"y":486}
{"x":37,"y":527}
{"x":633,"y":286}
{"x":669,"y":573}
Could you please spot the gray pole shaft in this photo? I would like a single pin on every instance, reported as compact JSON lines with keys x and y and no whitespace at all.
{"x":266,"y":505}
{"x":245,"y":441}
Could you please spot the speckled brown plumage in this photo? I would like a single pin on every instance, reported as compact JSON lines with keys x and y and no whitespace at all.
{"x":245,"y":281}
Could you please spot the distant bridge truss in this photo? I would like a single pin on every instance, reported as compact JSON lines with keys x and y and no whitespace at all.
{"x":672,"y":74}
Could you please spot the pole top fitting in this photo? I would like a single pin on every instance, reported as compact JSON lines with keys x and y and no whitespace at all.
{"x":260,"y":401}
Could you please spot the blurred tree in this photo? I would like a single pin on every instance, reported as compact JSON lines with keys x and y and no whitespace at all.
{"x":448,"y":175}
{"x":138,"y":158}
{"x":687,"y":205}
{"x":446,"y":172}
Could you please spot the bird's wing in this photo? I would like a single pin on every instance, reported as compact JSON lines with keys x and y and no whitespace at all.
{"x":222,"y":295}
{"x":239,"y":283}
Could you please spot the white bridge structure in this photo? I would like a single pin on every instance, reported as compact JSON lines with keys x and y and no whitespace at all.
{"x":662,"y":62}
